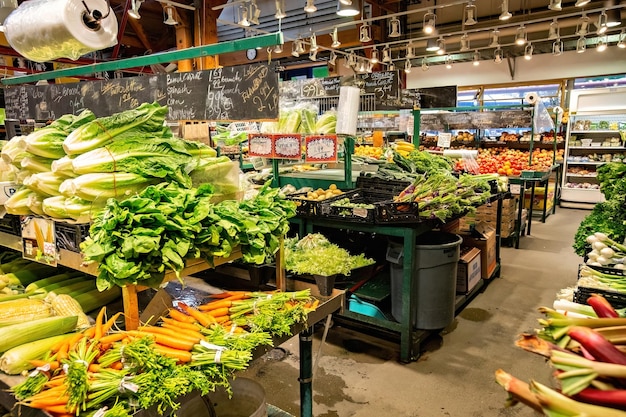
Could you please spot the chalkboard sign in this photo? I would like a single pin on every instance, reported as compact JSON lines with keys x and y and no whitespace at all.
{"x":384,"y":86}
{"x":248,"y":92}
{"x":432,"y":122}
{"x":428,"y":98}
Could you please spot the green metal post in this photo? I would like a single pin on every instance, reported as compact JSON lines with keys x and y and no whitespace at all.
{"x":348,"y":150}
{"x":275,"y":173}
{"x":306,"y":372}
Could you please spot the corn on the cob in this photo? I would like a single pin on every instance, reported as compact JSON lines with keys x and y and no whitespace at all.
{"x":24,"y":310}
{"x":66,"y":305}
{"x":17,"y":359}
{"x":18,"y":334}
{"x":51,"y":280}
{"x":95,"y":299}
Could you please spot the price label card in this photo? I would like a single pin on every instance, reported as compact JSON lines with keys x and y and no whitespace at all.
{"x":288,"y":146}
{"x":260,"y":145}
{"x":444,"y":139}
{"x":321,"y":148}
{"x":515,"y":188}
{"x":39,"y":240}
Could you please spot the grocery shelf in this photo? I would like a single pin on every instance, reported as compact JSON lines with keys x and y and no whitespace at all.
{"x":585,"y":132}
{"x":581,"y":189}
{"x":581,"y":175}
{"x":585,"y":163}
{"x":599,"y":148}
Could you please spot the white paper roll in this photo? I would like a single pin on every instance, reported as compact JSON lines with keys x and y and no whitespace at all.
{"x":347,"y":110}
{"x":460,"y":153}
{"x":531,"y":98}
{"x":43,"y":30}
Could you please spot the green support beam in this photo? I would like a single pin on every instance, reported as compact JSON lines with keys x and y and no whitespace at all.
{"x":262,"y":41}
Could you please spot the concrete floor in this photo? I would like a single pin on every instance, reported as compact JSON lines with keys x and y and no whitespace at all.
{"x":360,"y":375}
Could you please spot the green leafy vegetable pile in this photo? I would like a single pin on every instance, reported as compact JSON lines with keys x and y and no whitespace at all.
{"x":136,"y":240}
{"x":609,"y":216}
{"x":315,"y":255}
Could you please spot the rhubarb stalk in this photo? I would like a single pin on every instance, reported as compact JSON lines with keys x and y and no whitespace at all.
{"x":578,"y":373}
{"x":518,"y":390}
{"x":556,"y":404}
{"x":597,"y":345}
{"x":601,"y":306}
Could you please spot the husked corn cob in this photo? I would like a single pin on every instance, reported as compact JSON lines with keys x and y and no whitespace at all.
{"x":17,"y":359}
{"x":65,"y":305}
{"x":18,"y":334}
{"x":23,"y":310}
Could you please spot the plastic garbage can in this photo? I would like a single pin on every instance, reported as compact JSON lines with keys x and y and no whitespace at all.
{"x":434,"y":278}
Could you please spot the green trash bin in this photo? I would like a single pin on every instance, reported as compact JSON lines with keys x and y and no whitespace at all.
{"x":434,"y":278}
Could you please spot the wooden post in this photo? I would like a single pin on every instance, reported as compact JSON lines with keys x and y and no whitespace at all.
{"x":131,"y":306}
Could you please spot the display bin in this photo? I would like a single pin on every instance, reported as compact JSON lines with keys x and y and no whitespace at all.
{"x":312,"y":208}
{"x":11,"y":225}
{"x":434,"y":278}
{"x":69,"y":236}
{"x":615,"y":298}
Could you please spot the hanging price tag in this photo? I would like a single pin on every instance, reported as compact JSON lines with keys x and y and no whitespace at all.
{"x":288,"y":146}
{"x":39,"y":240}
{"x":444,"y":140}
{"x":321,"y":148}
{"x":260,"y":145}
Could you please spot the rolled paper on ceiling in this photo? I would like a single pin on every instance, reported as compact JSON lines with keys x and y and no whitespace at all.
{"x":44,"y":30}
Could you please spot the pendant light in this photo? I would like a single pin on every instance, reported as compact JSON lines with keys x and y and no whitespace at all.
{"x":425,"y":66}
{"x":313,"y":41}
{"x":497,"y":55}
{"x":441,"y":46}
{"x":528,"y":52}
{"x":244,"y":17}
{"x":601,"y":25}
{"x":391,"y":67}
{"x":255,"y":13}
{"x":601,"y":45}
{"x":169,"y":16}
{"x":495,"y":42}
{"x":409,"y":51}
{"x":352,"y":60}
{"x":555,"y":5}
{"x":407,"y":66}
{"x":581,"y":45}
{"x":294,"y":48}
{"x":554,"y":30}
{"x":622,"y":40}
{"x":134,"y":10}
{"x":386,"y":54}
{"x":365,"y":34}
{"x":583,"y":25}
{"x":476,"y":58}
{"x":347,"y":10}
{"x":310,"y":7}
{"x":581,"y":3}
{"x":429,"y":22}
{"x":448,"y":62}
{"x":431,"y":45}
{"x":333,"y":58}
{"x":394,"y":28}
{"x":280,"y":9}
{"x":557,"y":47}
{"x":335,"y":37}
{"x":374,"y":57}
{"x":520,"y":36}
{"x":469,"y":18}
{"x":465,"y":43}
{"x":614,"y":17}
{"x":505,"y":15}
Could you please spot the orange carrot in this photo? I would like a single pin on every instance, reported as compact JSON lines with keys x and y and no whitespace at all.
{"x":180,"y":324}
{"x":63,"y":351}
{"x":222,"y":319}
{"x":109,"y":323}
{"x":232,"y":295}
{"x":55,"y":348}
{"x":94,"y":367}
{"x":180,"y":316}
{"x":217,"y":312}
{"x":174,"y":342}
{"x":59,"y":409}
{"x":37,"y":363}
{"x":171,"y":333}
{"x":49,"y":402}
{"x":89,"y":332}
{"x":117,"y":365}
{"x":113,"y":337}
{"x":186,"y":332}
{"x":74,"y":339}
{"x":57,"y":381}
{"x":216,"y":305}
{"x":203,"y":319}
{"x":183,"y":356}
{"x":99,"y":323}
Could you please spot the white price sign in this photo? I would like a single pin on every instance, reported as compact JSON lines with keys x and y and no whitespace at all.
{"x":444,"y":140}
{"x":39,"y":240}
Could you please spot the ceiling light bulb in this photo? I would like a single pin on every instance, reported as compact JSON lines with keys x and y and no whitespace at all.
{"x":300,"y":46}
{"x":465,"y":43}
{"x":601,"y":45}
{"x":362,"y":68}
{"x":134,"y":10}
{"x":278,"y":49}
{"x":352,"y":61}
{"x":520,"y":36}
{"x":494,"y":39}
{"x":476,"y":59}
{"x":310,"y":7}
{"x":335,"y":37}
{"x":244,"y":17}
{"x":428,"y":23}
{"x":622,"y":40}
{"x":170,"y":20}
{"x":386,"y":54}
{"x":441,"y":45}
{"x":554,"y":31}
{"x":394,"y":28}
{"x":448,"y":62}
{"x":347,"y":10}
{"x":581,"y":3}
{"x":364,"y":33}
{"x":470,"y":14}
{"x":294,"y":48}
{"x":280,"y":10}
{"x":555,"y":5}
{"x":407,"y":66}
{"x":528,"y":52}
{"x":333,"y":58}
{"x":583,"y":25}
{"x":425,"y":66}
{"x":409,"y":51}
{"x":557,"y":47}
{"x":602,"y":27}
{"x":391,"y":67}
{"x":581,"y":45}
{"x":432,"y":45}
{"x":614,"y":16}
{"x":374,"y":58}
{"x":505,"y":15}
{"x":346,"y":2}
{"x":497,"y":56}
{"x":313,"y":41}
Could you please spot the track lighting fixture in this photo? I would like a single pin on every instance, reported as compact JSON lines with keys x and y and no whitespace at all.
{"x":555,"y":5}
{"x":441,"y":46}
{"x":614,"y":17}
{"x":429,"y":22}
{"x":470,"y":14}
{"x":528,"y":52}
{"x":495,"y":41}
{"x":448,"y":62}
{"x":300,"y":46}
{"x":601,"y":25}
{"x":557,"y":47}
{"x":365,"y":34}
{"x":278,"y":49}
{"x":465,"y":43}
{"x":583,"y":25}
{"x":505,"y":15}
{"x":498,"y":55}
{"x":601,"y":45}
{"x":335,"y":37}
{"x":394,"y":28}
{"x":554,"y":31}
{"x":347,"y":9}
{"x":352,"y":60}
{"x":391,"y":67}
{"x":294,"y":48}
{"x":407,"y":66}
{"x":313,"y":55}
{"x":310,"y":7}
{"x":244,"y":17}
{"x":425,"y":66}
{"x":386,"y":54}
{"x":581,"y":45}
{"x":333,"y":58}
{"x":374,"y":57}
{"x":409,"y":51}
{"x":431,"y":45}
{"x":280,"y":9}
{"x":476,"y":59}
{"x":581,"y":3}
{"x":361,"y":67}
{"x":520,"y":35}
{"x":255,"y":13}
{"x":134,"y":10}
{"x":313,"y":42}
{"x":169,"y":16}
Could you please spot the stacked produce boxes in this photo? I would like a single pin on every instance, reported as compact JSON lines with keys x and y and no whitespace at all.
{"x":488,"y":213}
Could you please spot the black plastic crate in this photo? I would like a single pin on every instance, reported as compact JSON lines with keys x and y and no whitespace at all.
{"x":381,"y":185}
{"x":11,"y":225}
{"x":397,"y":212}
{"x":312,"y":208}
{"x":616,"y":298}
{"x":69,"y":236}
{"x":335,"y":210}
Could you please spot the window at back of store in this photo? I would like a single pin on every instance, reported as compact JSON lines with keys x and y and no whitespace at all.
{"x":600,"y":82}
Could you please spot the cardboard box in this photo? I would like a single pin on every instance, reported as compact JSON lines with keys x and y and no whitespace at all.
{"x":483,"y":237}
{"x":468,"y":270}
